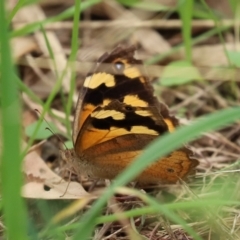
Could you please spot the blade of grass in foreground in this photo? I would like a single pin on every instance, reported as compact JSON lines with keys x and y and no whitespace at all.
{"x":72,"y":58}
{"x":166,"y":144}
{"x":144,"y":211}
{"x":199,"y":203}
{"x":11,"y":176}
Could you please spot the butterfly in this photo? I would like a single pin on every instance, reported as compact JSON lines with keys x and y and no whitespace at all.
{"x":116,"y":117}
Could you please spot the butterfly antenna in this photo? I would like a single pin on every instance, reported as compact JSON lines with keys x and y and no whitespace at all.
{"x":49,"y":129}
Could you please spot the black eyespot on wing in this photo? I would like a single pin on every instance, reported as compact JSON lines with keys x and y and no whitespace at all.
{"x":170,"y":170}
{"x":129,"y":108}
{"x":119,"y":66}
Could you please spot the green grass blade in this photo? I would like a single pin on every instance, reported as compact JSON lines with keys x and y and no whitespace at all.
{"x":185,"y":11}
{"x":11,"y":175}
{"x":23,"y":88}
{"x":199,"y":204}
{"x":72,"y":58}
{"x":17,"y":7}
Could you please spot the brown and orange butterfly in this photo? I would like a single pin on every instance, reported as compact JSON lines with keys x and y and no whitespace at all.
{"x":116,"y":117}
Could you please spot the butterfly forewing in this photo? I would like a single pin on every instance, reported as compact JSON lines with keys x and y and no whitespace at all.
{"x":115,"y":77}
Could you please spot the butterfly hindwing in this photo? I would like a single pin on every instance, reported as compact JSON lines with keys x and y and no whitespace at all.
{"x":117,"y":119}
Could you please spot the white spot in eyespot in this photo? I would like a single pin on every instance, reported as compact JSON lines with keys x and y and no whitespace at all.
{"x":108,"y":113}
{"x":95,"y":80}
{"x":119,"y":65}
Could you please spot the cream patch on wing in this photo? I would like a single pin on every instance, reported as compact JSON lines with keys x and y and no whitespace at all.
{"x":170,"y":125}
{"x":143,"y":113}
{"x":134,"y":101}
{"x":132,"y":72}
{"x":116,"y":115}
{"x":143,"y":130}
{"x":106,"y":102}
{"x":95,"y":80}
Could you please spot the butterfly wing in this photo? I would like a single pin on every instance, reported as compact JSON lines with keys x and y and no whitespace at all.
{"x":111,"y":162}
{"x":118,"y":119}
{"x":117,"y":116}
{"x":120,"y":76}
{"x":114,"y":135}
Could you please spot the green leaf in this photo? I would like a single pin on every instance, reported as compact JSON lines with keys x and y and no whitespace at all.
{"x":234,"y":58}
{"x":179,"y":72}
{"x":43,"y":132}
{"x":69,"y":144}
{"x":14,"y":207}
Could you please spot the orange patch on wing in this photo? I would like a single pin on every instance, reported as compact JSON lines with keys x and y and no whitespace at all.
{"x":110,"y":165}
{"x":86,"y":111}
{"x":93,"y":136}
{"x":168,"y":169}
{"x":121,"y":160}
{"x":171,"y":168}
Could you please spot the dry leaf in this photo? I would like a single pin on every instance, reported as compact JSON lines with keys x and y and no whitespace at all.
{"x":22,"y":46}
{"x":41,"y":182}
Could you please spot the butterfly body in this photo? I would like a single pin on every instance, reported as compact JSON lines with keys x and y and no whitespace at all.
{"x":117,"y":116}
